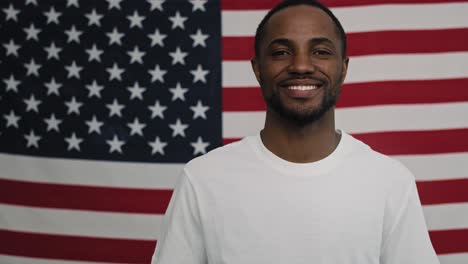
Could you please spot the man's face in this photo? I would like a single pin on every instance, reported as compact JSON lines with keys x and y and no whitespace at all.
{"x":300,"y":67}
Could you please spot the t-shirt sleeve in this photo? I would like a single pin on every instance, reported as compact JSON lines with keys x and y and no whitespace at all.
{"x":406,"y":238}
{"x":181,"y":240}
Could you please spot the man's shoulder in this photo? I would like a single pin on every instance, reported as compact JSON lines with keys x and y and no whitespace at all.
{"x":222,"y":157}
{"x":382,"y":164}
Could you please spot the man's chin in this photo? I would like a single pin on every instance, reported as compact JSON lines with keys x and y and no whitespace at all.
{"x":299,"y":117}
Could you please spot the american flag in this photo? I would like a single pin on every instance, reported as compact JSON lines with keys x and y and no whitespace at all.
{"x":102,"y":102}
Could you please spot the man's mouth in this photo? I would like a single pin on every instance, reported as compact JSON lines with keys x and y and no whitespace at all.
{"x":302,"y":87}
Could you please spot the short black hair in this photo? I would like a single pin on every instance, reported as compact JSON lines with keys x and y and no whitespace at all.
{"x":288,"y":3}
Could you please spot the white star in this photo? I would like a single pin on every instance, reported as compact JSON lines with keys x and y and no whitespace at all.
{"x":31,"y":32}
{"x":136,"y":91}
{"x":72,"y":3}
{"x":199,"y":146}
{"x":199,"y":38}
{"x":94,"y":18}
{"x":11,"y":48}
{"x":178,"y":56}
{"x":156,"y":4}
{"x":178,"y":92}
{"x":32,"y":68}
{"x":157,"y":74}
{"x":136,"y":127}
{"x":11,"y":13}
{"x":53,"y":51}
{"x":12,"y":83}
{"x":157,"y":110}
{"x":136,"y":20}
{"x":53,"y":87}
{"x":94,"y":125}
{"x":199,"y":110}
{"x":178,"y":128}
{"x":115,"y":144}
{"x":114,"y":4}
{"x":115,"y":37}
{"x":73,"y":70}
{"x":177,"y":21}
{"x":52,"y":123}
{"x":73,"y":34}
{"x":12,"y":119}
{"x":33,"y":2}
{"x":115,"y":72}
{"x":115,"y":108}
{"x":199,"y":74}
{"x":73,"y":142}
{"x":157,"y":146}
{"x":33,"y":140}
{"x":94,"y":53}
{"x":198,"y":5}
{"x":136,"y":55}
{"x":32,"y":104}
{"x":52,"y":16}
{"x":157,"y":38}
{"x":73,"y":106}
{"x":94,"y":89}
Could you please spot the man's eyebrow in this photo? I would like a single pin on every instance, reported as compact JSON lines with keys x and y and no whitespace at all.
{"x":313,"y":41}
{"x":280,"y":41}
{"x":316,"y":41}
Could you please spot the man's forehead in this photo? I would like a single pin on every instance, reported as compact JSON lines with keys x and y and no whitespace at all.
{"x":300,"y":19}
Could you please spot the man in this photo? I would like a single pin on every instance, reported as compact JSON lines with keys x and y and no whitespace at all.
{"x":299,"y":191}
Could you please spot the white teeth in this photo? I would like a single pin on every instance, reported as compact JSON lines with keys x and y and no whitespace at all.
{"x":303,"y":87}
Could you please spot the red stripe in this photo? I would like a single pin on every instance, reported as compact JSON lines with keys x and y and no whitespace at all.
{"x":368,"y":43}
{"x":404,"y":92}
{"x":267,"y":4}
{"x":76,"y":248}
{"x":123,"y":200}
{"x":364,"y":94}
{"x":417,"y":142}
{"x":140,"y":251}
{"x":450,"y":241}
{"x":243,"y":99}
{"x":443,"y":191}
{"x":411,"y":142}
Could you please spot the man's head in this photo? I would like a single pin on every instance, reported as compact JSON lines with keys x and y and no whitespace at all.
{"x":300,"y":60}
{"x":259,"y":34}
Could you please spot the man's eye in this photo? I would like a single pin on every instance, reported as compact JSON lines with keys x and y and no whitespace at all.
{"x":280,"y":53}
{"x":322,"y":52}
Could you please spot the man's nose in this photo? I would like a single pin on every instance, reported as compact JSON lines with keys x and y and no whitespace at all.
{"x":301,"y":64}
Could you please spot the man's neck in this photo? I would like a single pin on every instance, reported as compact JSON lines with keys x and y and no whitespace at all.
{"x":300,"y":144}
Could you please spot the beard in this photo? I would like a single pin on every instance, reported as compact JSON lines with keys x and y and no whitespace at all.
{"x":303,"y":117}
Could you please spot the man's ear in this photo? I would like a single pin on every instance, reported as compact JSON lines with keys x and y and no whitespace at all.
{"x":344,"y":70}
{"x":256,"y":68}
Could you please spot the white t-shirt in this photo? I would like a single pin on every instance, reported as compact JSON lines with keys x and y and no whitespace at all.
{"x":242,"y":204}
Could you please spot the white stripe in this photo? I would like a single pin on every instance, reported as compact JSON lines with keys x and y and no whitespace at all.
{"x":460,"y":258}
{"x":402,"y":117}
{"x":446,"y":216}
{"x":407,"y":67}
{"x":88,"y":172}
{"x":116,"y":225}
{"x":373,"y":68}
{"x":8,"y":259}
{"x":366,"y":119}
{"x":366,"y":18}
{"x":80,"y":223}
{"x":432,"y":167}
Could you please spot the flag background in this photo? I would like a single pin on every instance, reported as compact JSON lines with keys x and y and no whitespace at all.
{"x":74,"y":190}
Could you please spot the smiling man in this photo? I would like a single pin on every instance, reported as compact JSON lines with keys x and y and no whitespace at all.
{"x":300,"y":191}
